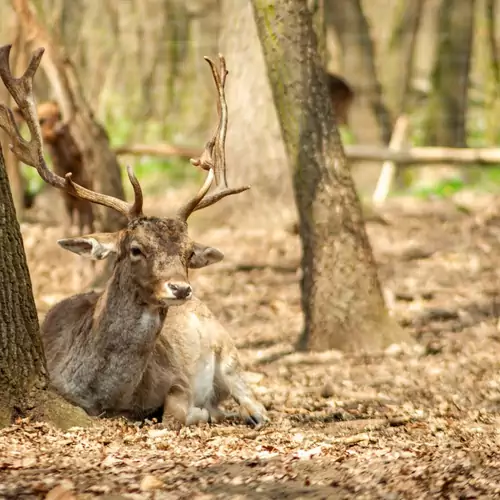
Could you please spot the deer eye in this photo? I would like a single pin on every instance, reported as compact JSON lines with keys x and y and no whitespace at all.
{"x":135,"y":251}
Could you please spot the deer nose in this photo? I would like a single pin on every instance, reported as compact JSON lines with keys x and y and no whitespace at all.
{"x":180,"y":290}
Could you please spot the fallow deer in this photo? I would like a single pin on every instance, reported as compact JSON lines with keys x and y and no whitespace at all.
{"x":121,"y":351}
{"x":66,"y":158}
{"x":342,"y":96}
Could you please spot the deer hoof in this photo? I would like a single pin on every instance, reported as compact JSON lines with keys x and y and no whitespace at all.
{"x":255,"y":416}
{"x":197,"y":416}
{"x":256,"y":420}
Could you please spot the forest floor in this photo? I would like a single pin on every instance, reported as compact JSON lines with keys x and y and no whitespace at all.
{"x":419,"y":421}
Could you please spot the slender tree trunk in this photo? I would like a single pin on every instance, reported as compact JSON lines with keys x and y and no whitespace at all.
{"x":401,"y":53}
{"x":341,"y":295}
{"x":447,"y":112}
{"x":493,"y":48}
{"x":23,"y":374}
{"x":493,"y":72}
{"x":398,"y":70}
{"x":370,"y":118}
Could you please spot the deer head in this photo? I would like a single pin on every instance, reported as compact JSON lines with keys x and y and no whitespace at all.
{"x":342,"y":97}
{"x":153,"y":254}
{"x":49,"y":117}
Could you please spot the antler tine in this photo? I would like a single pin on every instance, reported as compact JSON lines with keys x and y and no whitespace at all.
{"x":187,"y":209}
{"x":135,"y":209}
{"x":21,"y":89}
{"x":219,"y":139}
{"x":31,"y":152}
{"x":207,"y":161}
{"x":131,"y":211}
{"x":220,"y":136}
{"x":214,"y":198}
{"x":213,"y":158}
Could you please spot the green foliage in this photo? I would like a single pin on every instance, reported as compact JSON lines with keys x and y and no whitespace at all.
{"x":346,"y":136}
{"x":34,"y":182}
{"x":156,"y":175}
{"x":443,"y":189}
{"x":478,"y":177}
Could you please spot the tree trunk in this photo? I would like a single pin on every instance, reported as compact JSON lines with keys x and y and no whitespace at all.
{"x":17,"y":181}
{"x":254,"y":141}
{"x":492,"y":72}
{"x":401,"y":54}
{"x":317,"y":8}
{"x":447,"y":112}
{"x":341,"y":295}
{"x":23,"y":374}
{"x":369,"y":117}
{"x":371,"y":120}
{"x":98,"y":157}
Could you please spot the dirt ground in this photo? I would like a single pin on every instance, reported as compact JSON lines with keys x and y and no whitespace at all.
{"x":418,"y":421}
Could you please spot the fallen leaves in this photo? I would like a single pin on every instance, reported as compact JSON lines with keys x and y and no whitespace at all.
{"x":407,"y":422}
{"x":150,"y":483}
{"x":63,"y":491}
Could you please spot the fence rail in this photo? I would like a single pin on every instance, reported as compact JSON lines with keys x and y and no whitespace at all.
{"x":408,"y":156}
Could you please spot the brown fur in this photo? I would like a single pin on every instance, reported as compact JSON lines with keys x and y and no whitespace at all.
{"x":66,"y":157}
{"x":342,"y":96}
{"x":128,"y":350}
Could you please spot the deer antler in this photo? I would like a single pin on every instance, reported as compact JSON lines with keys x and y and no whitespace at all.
{"x":31,"y":152}
{"x":213,"y":158}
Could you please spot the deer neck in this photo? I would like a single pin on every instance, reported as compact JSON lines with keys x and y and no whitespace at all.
{"x":123,"y":337}
{"x":124,"y":322}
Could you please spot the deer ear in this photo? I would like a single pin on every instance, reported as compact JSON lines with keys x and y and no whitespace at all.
{"x":94,"y":246}
{"x":204,"y":256}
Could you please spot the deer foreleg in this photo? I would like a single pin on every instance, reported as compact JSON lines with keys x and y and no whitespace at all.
{"x":229,"y":380}
{"x":179,"y":405}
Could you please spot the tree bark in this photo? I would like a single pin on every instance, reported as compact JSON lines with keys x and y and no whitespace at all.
{"x":447,"y":111}
{"x":254,"y":141}
{"x":402,"y":46}
{"x":341,"y":295}
{"x":492,"y":110}
{"x":370,"y":118}
{"x":23,"y":374}
{"x":17,"y":181}
{"x":91,"y":138}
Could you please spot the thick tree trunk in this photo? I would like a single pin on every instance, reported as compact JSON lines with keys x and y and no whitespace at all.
{"x":447,"y":112}
{"x":341,"y":295}
{"x":23,"y":374}
{"x":91,"y":138}
{"x":17,"y":181}
{"x":254,"y":141}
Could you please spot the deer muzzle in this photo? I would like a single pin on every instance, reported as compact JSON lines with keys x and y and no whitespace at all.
{"x":173,"y":292}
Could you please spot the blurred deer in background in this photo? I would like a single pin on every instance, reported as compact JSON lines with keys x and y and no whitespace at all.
{"x":342,"y":96}
{"x":121,"y":351}
{"x":66,"y":158}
